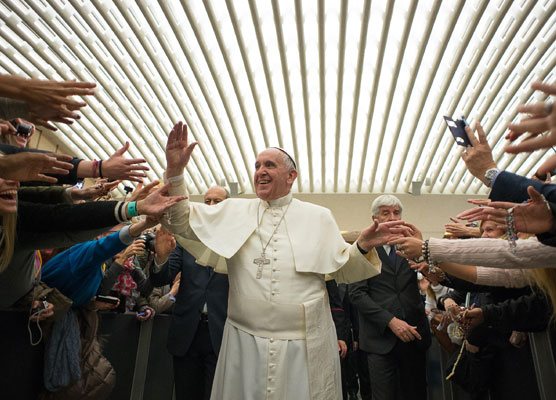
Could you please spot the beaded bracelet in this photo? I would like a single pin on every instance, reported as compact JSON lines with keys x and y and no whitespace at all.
{"x":510,"y":230}
{"x":433,"y":269}
{"x":440,"y":274}
{"x":425,"y":251}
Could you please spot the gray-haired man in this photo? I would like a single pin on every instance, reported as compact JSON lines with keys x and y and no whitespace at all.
{"x":393,"y":325}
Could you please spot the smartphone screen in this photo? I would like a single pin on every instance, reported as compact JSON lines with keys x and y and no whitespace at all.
{"x":457,"y":128}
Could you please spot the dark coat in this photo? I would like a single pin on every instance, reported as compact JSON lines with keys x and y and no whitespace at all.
{"x":198,"y":285}
{"x":392,"y":293}
{"x":513,"y":188}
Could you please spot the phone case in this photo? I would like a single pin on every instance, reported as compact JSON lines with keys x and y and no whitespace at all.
{"x":457,"y":128}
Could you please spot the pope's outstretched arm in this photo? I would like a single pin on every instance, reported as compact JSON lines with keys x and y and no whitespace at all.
{"x":178,"y":154}
{"x":363,"y":262}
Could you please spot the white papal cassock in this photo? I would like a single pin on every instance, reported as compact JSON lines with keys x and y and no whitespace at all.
{"x":279,"y":340}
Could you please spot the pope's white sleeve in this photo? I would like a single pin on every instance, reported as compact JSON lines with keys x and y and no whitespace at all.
{"x":177,"y":217}
{"x":359,"y":266}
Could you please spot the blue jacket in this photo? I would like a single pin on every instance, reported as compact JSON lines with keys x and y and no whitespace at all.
{"x":77,"y":271}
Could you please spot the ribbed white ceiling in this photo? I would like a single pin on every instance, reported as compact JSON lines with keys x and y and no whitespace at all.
{"x":355,"y":90}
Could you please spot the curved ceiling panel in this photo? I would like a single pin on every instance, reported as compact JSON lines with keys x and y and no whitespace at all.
{"x":355,"y":90}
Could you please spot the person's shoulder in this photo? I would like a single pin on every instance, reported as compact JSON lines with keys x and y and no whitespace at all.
{"x":311,"y":206}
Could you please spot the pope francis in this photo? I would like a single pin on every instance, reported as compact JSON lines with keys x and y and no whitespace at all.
{"x":279,"y":340}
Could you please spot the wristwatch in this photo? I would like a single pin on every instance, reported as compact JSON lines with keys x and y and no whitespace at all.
{"x":490,"y":176}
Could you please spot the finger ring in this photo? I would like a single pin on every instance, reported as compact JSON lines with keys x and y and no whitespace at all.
{"x":548,"y":106}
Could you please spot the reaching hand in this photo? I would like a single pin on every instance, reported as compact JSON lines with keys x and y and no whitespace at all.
{"x":542,"y":118}
{"x":478,"y":157}
{"x":459,"y":229}
{"x":6,"y":127}
{"x":141,"y":191}
{"x":546,"y":168}
{"x":101,"y":188}
{"x":380,"y":234}
{"x":416,"y":233}
{"x":118,"y":167}
{"x":433,"y":277}
{"x":404,"y":331}
{"x":156,"y":203}
{"x":49,"y":100}
{"x":408,"y":247}
{"x":473,"y":317}
{"x":535,"y":216}
{"x":135,"y":248}
{"x":164,"y":244}
{"x":28,"y":166}
{"x":178,"y":150}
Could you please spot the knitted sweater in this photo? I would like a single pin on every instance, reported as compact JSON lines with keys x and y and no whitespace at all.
{"x":493,"y":253}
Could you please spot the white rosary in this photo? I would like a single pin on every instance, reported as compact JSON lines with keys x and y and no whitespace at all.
{"x":261,"y":261}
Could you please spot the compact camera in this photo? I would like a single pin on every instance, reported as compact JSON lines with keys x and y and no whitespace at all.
{"x":22,"y":129}
{"x":148,"y":238}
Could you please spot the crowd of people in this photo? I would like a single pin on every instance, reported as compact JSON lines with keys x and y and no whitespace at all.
{"x":267,"y":299}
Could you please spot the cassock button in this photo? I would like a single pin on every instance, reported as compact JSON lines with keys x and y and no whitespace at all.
{"x":269,"y":390}
{"x":271,"y":340}
{"x":275,"y":240}
{"x":275,"y":259}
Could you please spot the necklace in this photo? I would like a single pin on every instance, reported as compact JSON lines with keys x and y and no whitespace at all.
{"x":261,"y":261}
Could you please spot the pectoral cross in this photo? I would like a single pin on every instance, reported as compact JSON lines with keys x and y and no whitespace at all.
{"x":261,"y":261}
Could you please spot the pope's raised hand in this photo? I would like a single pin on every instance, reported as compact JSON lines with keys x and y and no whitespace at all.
{"x":178,"y":150}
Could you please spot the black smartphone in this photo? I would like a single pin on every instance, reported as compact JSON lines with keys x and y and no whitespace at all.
{"x":107,"y":299}
{"x":457,"y":128}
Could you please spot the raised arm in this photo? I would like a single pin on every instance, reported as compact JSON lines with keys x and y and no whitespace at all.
{"x":47,"y":101}
{"x":178,"y":154}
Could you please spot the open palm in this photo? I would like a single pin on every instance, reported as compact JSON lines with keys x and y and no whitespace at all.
{"x":178,"y":150}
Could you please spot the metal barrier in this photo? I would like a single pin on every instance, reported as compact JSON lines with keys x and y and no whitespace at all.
{"x":144,"y":367}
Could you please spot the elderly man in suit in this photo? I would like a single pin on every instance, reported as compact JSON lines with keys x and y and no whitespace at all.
{"x":200,"y":311}
{"x":393,"y":326}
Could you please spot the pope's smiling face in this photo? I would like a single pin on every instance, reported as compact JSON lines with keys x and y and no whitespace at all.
{"x":273,"y":179}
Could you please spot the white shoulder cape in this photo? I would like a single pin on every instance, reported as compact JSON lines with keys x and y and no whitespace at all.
{"x":316,"y":242}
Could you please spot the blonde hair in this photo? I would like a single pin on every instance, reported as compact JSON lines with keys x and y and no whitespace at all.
{"x":545,"y":280}
{"x":7,"y":240}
